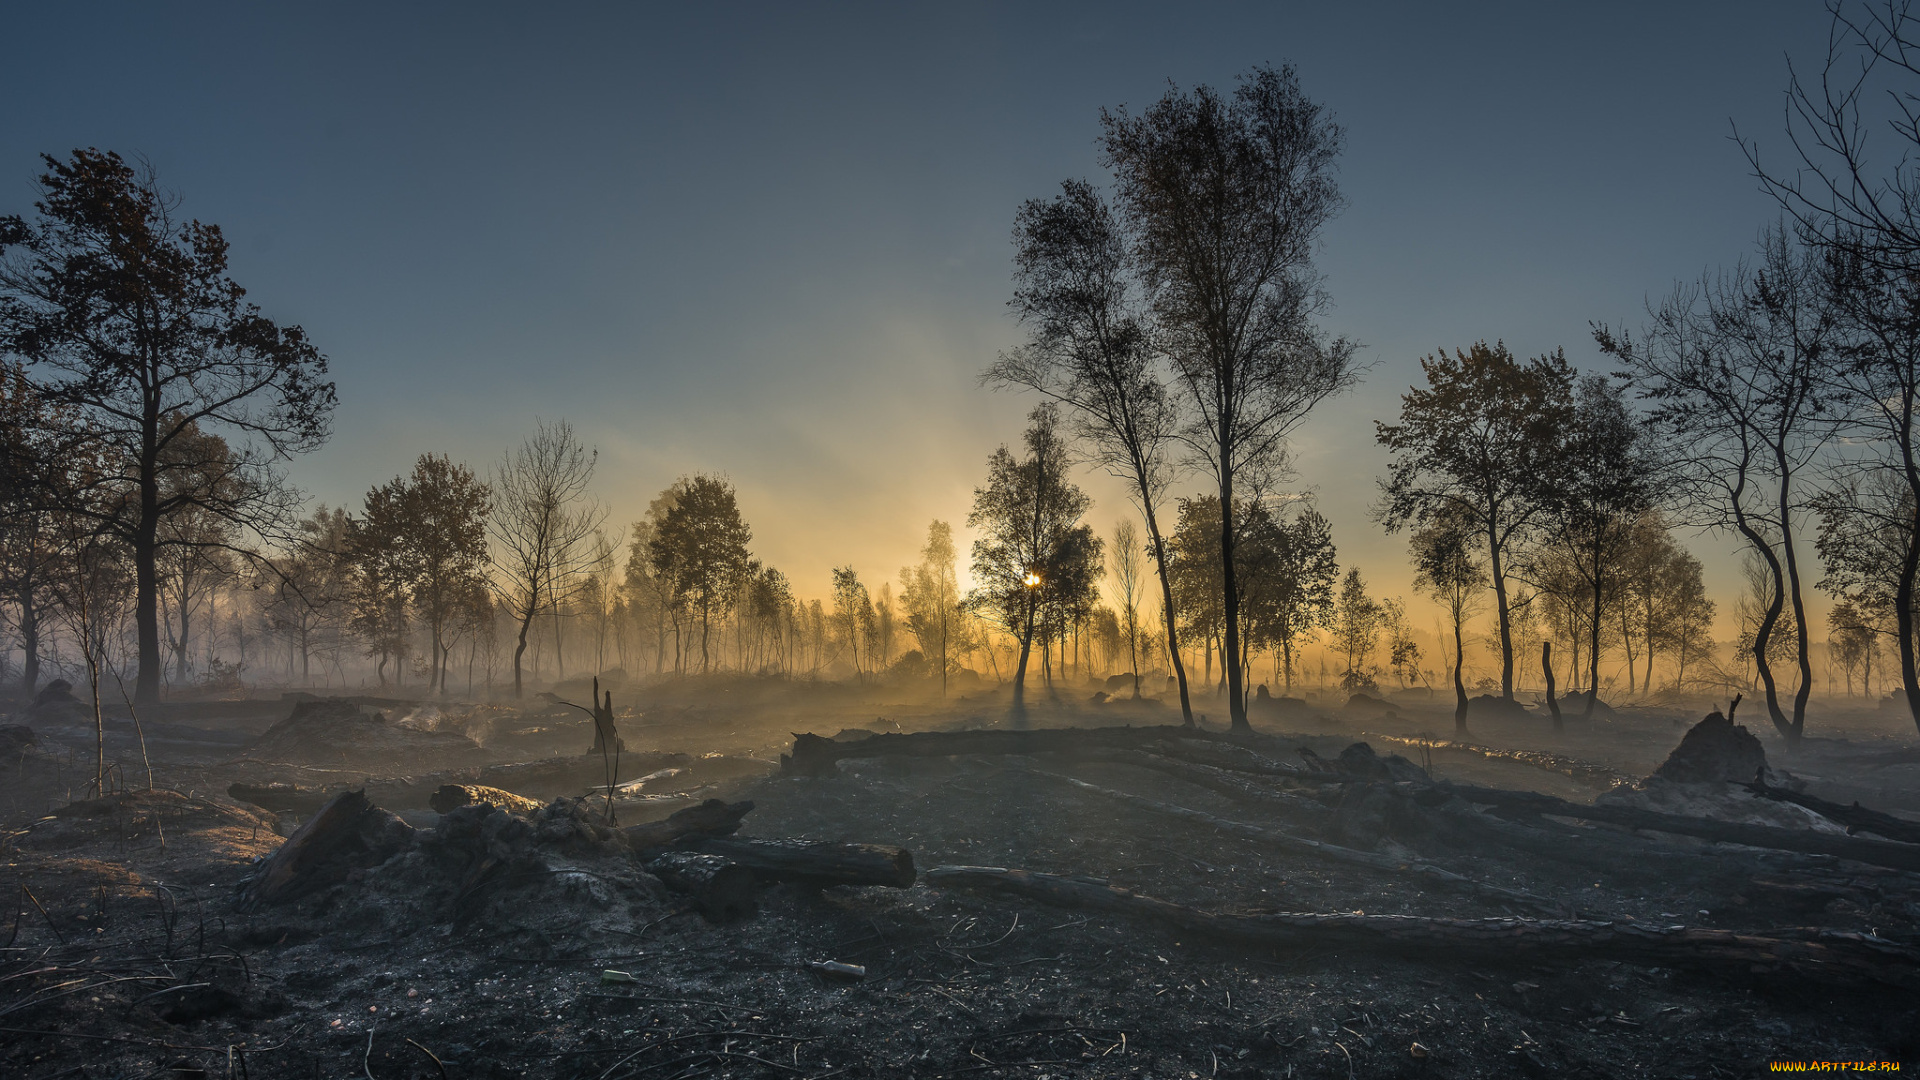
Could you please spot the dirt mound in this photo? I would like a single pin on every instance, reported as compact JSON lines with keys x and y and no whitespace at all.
{"x":557,"y":869}
{"x":1575,"y":705}
{"x":56,"y":707}
{"x":16,"y":740}
{"x":1694,"y":781}
{"x":1714,"y":751}
{"x":132,"y":815}
{"x":1494,"y":707}
{"x":1360,"y":760}
{"x":1366,"y":705}
{"x":334,"y":731}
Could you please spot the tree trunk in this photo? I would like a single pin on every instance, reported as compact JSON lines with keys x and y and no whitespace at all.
{"x":1763,"y":635}
{"x":816,"y":862}
{"x":1872,"y":852}
{"x":519,"y":650}
{"x":1166,"y":609}
{"x":29,"y":641}
{"x":1459,"y":681}
{"x":814,"y":755}
{"x":1500,"y":604}
{"x":1387,"y":864}
{"x":721,"y":889}
{"x":1805,"y":689}
{"x":1230,"y":648}
{"x":1026,"y":648}
{"x":1546,"y":668}
{"x":1903,"y":598}
{"x":1593,"y":640}
{"x":146,"y":591}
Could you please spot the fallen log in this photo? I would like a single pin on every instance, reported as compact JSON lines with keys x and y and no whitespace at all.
{"x":815,"y":755}
{"x":1225,"y":755}
{"x":1830,"y":956}
{"x":283,"y":798}
{"x":449,"y":797}
{"x":817,"y":863}
{"x":1873,"y":852}
{"x":720,"y":888}
{"x":711,"y":818}
{"x":1215,"y":779}
{"x":1856,"y":818}
{"x":348,"y":833}
{"x":1426,"y":872}
{"x":569,"y":776}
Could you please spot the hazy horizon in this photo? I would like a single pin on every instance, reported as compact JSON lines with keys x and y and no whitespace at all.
{"x":772,"y":244}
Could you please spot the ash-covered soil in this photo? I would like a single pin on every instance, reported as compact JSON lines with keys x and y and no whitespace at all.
{"x":146,"y":961}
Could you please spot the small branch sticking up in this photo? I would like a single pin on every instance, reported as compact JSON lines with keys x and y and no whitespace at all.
{"x":137,"y":730}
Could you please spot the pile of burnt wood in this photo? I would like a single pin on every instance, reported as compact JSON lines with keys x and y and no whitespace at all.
{"x":694,"y":852}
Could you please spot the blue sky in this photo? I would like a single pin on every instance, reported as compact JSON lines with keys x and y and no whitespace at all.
{"x":771,"y":241}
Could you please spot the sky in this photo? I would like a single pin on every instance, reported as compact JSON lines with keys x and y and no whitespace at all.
{"x":773,"y":241}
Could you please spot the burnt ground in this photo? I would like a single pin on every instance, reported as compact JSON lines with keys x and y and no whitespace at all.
{"x":145,"y":963}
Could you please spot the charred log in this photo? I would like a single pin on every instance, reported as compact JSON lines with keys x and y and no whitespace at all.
{"x":1214,"y":779}
{"x":1827,"y":955}
{"x":1856,"y":818}
{"x":710,"y":818}
{"x":814,"y":755}
{"x":449,"y":797}
{"x":818,"y":863}
{"x":1385,"y":864}
{"x":720,"y":888}
{"x":1873,"y":852}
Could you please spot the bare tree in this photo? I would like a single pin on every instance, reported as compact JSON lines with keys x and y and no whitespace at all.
{"x":1861,"y":207}
{"x":1733,"y":366}
{"x":1090,"y":349}
{"x":541,"y":518}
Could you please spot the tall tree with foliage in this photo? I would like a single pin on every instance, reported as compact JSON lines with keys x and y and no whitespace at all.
{"x":1090,"y":349}
{"x":305,"y":589}
{"x":700,"y":549}
{"x":1474,"y":442}
{"x":930,"y":593}
{"x":126,"y":316}
{"x":1446,"y":554}
{"x":1224,"y":198}
{"x":1357,"y":619}
{"x":1032,"y":555}
{"x":1126,"y":575}
{"x":446,"y":508}
{"x":1600,"y":483}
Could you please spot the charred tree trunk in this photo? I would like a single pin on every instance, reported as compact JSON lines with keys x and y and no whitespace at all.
{"x":1385,"y":864}
{"x":710,"y":818}
{"x":721,"y":889}
{"x":1873,"y":852}
{"x":814,"y":755}
{"x":1459,"y":680}
{"x":1546,"y":668}
{"x":816,"y":862}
